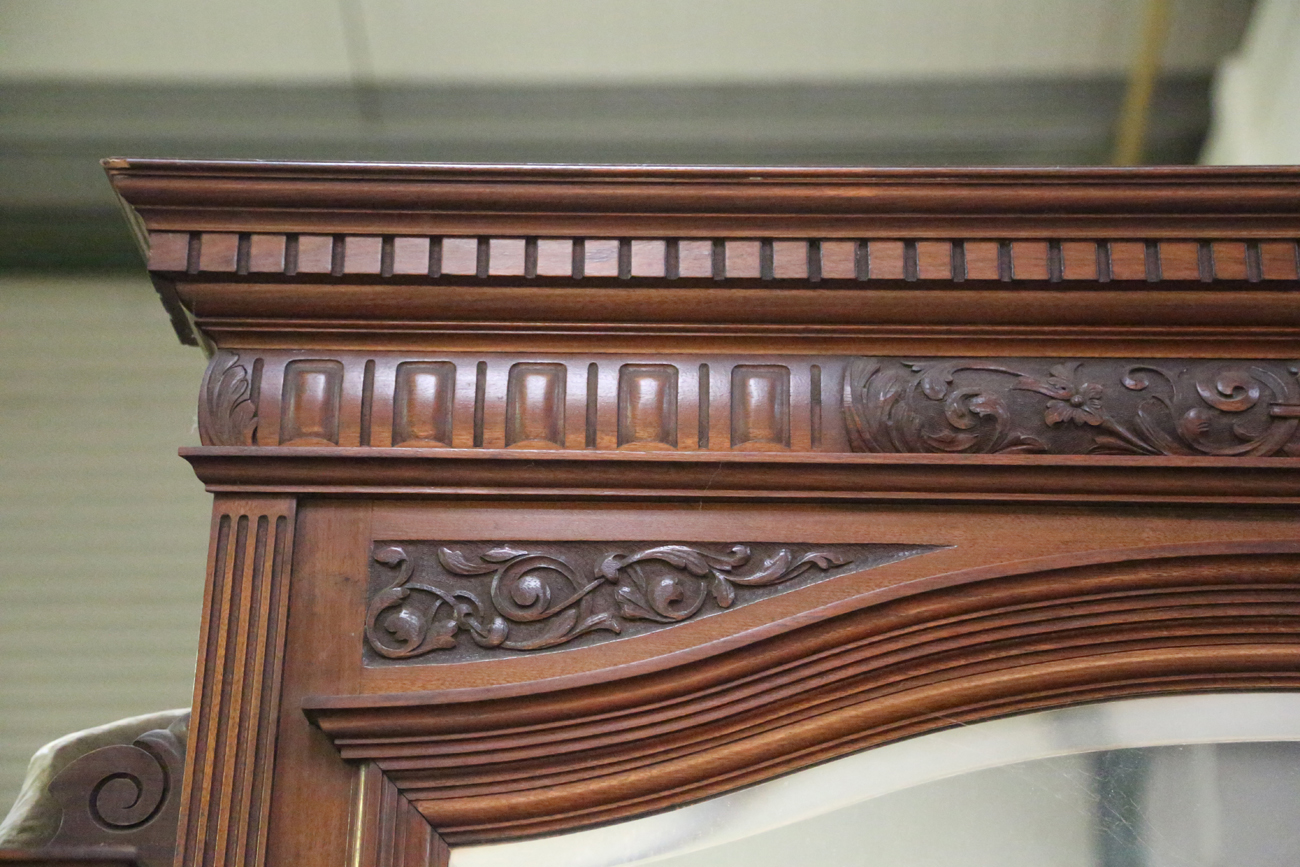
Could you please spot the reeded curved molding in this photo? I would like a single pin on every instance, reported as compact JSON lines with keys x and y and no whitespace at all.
{"x":1154,"y":721}
{"x":493,"y":763}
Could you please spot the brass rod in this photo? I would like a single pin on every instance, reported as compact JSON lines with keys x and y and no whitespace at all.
{"x":1135,"y":115}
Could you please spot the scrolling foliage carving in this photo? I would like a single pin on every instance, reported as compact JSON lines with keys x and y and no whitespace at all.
{"x":231,"y":416}
{"x":518,"y":597}
{"x":1096,"y":406}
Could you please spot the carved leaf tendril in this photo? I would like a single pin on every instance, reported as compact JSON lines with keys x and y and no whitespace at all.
{"x":231,"y":416}
{"x":959,"y":406}
{"x":537,"y":601}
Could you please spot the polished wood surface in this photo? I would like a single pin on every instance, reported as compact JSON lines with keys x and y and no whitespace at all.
{"x":547,"y":497}
{"x":71,"y":856}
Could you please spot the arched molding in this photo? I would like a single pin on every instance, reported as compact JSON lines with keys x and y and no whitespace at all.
{"x":490,"y":763}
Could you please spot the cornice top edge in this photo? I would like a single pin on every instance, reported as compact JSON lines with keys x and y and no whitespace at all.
{"x":685,"y":192}
{"x":744,"y":175}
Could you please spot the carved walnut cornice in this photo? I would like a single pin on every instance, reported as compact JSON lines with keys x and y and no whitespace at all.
{"x":809,"y":254}
{"x":730,"y":427}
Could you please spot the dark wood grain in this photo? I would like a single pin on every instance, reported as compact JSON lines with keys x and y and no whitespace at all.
{"x":231,"y":751}
{"x":315,"y":796}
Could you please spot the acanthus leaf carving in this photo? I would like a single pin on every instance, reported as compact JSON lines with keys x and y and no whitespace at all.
{"x":534,"y":597}
{"x":1097,"y":406}
{"x":231,"y":415}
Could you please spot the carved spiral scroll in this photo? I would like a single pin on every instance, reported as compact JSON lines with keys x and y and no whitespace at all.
{"x":129,"y":797}
{"x":126,"y":794}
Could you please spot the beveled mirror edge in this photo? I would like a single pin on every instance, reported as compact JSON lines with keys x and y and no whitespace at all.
{"x":1122,"y":724}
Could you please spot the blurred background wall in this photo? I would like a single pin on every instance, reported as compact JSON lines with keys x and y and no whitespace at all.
{"x":103,"y":529}
{"x":848,"y":82}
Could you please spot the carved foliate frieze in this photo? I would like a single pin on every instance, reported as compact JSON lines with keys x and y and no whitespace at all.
{"x":1092,"y":406}
{"x":1221,"y":408}
{"x":450,"y":602}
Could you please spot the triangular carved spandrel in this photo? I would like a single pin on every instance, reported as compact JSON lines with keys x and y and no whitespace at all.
{"x":453,"y":601}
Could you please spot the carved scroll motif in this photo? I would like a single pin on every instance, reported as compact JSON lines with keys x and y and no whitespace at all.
{"x":533,"y":597}
{"x":231,"y":416}
{"x":124,"y":794}
{"x":1097,"y":406}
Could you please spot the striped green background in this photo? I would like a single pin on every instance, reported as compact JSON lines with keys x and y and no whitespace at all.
{"x":103,"y":529}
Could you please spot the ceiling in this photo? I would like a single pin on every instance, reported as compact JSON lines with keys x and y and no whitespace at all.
{"x":873,"y":82}
{"x":587,"y":41}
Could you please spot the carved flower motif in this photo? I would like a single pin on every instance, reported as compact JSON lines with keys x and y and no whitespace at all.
{"x":1083,"y":406}
{"x":1077,"y":402}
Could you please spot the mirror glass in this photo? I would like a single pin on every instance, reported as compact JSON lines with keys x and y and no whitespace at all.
{"x":1192,"y":781}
